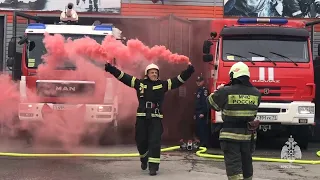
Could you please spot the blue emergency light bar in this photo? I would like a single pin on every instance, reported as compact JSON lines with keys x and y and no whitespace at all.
{"x":262,"y":20}
{"x":36,"y":26}
{"x":103,"y":28}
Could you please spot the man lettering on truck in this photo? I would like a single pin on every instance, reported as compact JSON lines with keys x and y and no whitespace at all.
{"x":239,"y":102}
{"x":150,"y":93}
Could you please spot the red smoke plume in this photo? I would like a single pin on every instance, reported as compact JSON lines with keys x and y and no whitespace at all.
{"x":68,"y":127}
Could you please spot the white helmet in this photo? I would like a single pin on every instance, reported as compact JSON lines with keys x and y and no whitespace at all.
{"x":150,"y":66}
{"x":239,"y":69}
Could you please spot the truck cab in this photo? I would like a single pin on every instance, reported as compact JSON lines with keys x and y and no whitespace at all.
{"x":279,"y":55}
{"x":93,"y":100}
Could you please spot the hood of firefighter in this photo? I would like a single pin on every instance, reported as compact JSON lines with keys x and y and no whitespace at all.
{"x":283,"y":82}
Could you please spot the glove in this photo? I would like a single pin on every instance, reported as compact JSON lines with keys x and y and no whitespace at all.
{"x":253,"y":125}
{"x":107,"y":67}
{"x":190,"y":67}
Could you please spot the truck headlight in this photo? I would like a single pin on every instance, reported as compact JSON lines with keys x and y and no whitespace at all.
{"x":306,"y":109}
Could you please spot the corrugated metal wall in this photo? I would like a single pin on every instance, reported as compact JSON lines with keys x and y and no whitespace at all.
{"x":21,"y":26}
{"x":315,"y":43}
{"x":181,"y":8}
{"x":179,"y":2}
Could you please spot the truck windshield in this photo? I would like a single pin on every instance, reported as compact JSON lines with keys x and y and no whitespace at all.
{"x":34,"y":54}
{"x":266,"y":48}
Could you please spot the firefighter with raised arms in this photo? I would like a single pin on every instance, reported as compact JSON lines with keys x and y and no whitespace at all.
{"x":238,"y":102}
{"x":150,"y":92}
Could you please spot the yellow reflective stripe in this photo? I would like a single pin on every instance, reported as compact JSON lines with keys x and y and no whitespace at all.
{"x":235,"y":177}
{"x":169,"y":84}
{"x":212,"y":103}
{"x":31,"y":62}
{"x":144,"y":155}
{"x":152,"y":115}
{"x":235,"y":136}
{"x":142,"y":86}
{"x":243,"y":99}
{"x":154,"y":160}
{"x":239,"y":112}
{"x":133,"y":80}
{"x":121,"y":75}
{"x":157,"y":87}
{"x":180,"y":79}
{"x":248,"y":178}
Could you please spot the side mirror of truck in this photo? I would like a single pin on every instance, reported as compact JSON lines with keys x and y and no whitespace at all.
{"x":23,"y":40}
{"x":10,"y":62}
{"x":207,"y":57}
{"x":11,"y":48}
{"x":318,"y":49}
{"x":206,"y":47}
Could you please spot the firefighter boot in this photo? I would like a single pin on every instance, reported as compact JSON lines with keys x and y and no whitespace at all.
{"x":153,"y":168}
{"x":144,"y":165}
{"x":153,"y":172}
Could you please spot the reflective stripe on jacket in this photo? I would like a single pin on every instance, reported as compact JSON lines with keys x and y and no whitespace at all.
{"x":238,"y":105}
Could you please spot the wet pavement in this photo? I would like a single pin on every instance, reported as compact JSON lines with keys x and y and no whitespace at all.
{"x":175,"y":164}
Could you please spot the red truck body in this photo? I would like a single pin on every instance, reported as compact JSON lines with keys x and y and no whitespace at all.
{"x":279,"y":56}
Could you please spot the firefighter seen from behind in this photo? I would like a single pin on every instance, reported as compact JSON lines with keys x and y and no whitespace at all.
{"x":238,"y":102}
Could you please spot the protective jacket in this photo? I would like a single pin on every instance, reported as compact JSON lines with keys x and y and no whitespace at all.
{"x":201,"y":104}
{"x":150,"y":93}
{"x":238,"y":104}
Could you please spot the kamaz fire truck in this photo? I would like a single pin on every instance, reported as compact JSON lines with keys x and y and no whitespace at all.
{"x":279,"y":55}
{"x":101,"y":111}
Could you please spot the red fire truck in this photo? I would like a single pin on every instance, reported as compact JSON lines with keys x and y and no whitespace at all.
{"x":102,"y":108}
{"x":279,"y":55}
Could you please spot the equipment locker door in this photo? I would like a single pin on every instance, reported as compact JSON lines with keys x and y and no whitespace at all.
{"x":175,"y":34}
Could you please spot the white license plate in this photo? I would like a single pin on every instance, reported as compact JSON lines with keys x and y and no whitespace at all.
{"x":58,"y":107}
{"x":266,"y":117}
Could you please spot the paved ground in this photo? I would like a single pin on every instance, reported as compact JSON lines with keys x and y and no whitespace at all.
{"x":177,"y":165}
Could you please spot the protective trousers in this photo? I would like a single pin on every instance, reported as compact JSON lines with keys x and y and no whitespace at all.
{"x":202,"y":129}
{"x":238,"y":160}
{"x":148,"y":140}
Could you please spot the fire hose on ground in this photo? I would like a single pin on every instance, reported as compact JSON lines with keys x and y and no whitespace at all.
{"x":200,"y":151}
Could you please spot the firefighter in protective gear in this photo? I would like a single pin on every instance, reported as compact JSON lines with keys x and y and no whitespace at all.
{"x":238,"y":102}
{"x":150,"y":92}
{"x":201,"y":112}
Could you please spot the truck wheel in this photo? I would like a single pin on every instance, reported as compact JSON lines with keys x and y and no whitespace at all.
{"x":302,"y":136}
{"x":27,"y":136}
{"x":109,"y":135}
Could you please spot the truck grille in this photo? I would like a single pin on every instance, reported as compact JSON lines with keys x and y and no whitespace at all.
{"x":268,"y":91}
{"x":58,"y":88}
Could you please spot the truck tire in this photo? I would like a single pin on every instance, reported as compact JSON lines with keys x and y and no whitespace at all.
{"x":109,"y":135}
{"x":302,"y":136}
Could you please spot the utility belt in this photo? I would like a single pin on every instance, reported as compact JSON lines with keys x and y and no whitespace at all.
{"x":150,"y":110}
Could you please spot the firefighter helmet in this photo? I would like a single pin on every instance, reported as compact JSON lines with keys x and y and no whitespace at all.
{"x":150,"y":66}
{"x":239,"y":69}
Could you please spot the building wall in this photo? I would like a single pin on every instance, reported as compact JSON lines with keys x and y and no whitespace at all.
{"x":191,"y":9}
{"x":180,"y":8}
